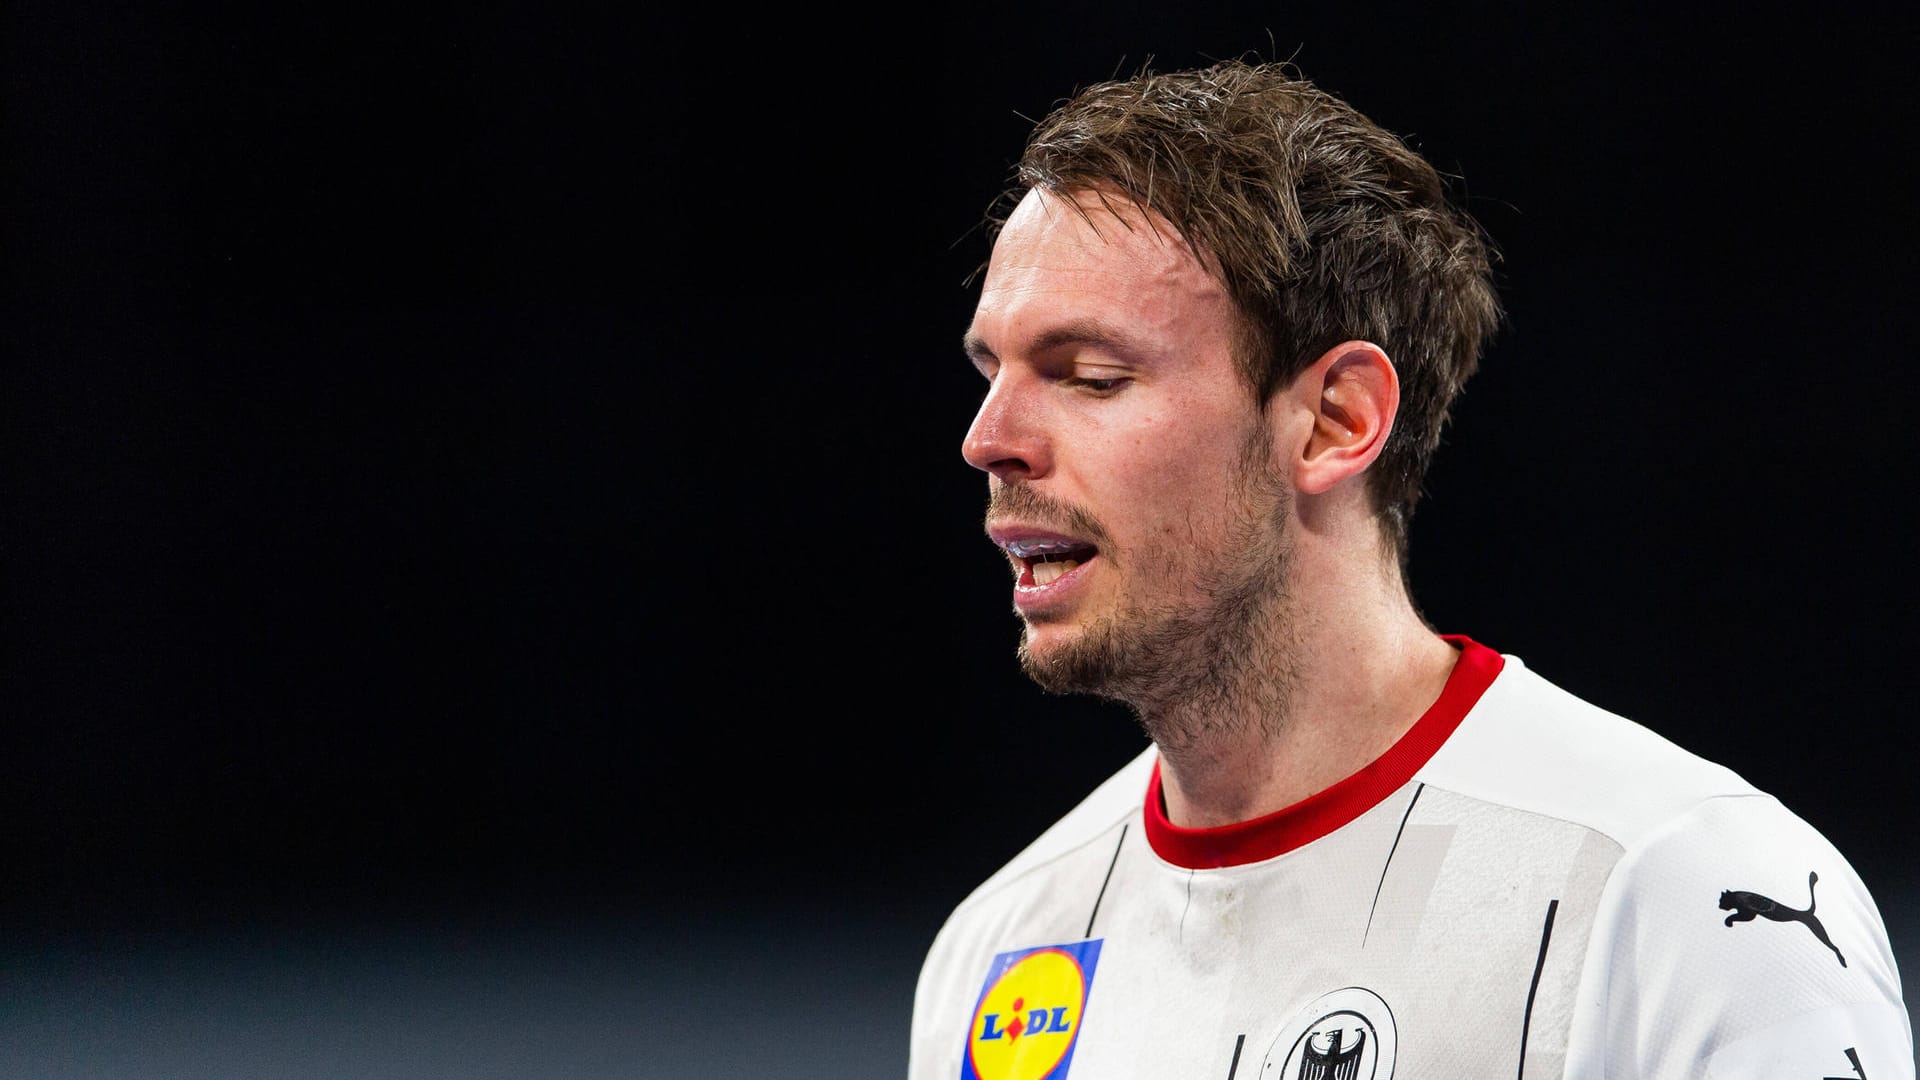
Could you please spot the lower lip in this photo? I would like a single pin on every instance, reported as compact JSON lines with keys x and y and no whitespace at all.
{"x":1031,"y":598}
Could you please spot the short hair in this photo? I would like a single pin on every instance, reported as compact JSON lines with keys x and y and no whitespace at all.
{"x":1322,"y":226}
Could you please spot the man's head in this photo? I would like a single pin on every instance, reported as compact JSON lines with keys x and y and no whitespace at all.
{"x":1183,"y":322}
{"x":1131,"y":479}
{"x":1321,"y":226}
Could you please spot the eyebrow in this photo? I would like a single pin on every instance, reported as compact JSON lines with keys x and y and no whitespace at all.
{"x":1078,"y":332}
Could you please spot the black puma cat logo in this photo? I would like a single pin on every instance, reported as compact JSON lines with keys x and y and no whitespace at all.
{"x":1746,"y":905}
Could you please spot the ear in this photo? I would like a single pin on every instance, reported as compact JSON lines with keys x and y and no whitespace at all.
{"x":1350,"y":396}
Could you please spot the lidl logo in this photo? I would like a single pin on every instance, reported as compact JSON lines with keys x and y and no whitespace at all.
{"x":1028,"y":1017}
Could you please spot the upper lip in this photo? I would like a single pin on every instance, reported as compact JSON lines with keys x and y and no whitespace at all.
{"x":1025,"y":541}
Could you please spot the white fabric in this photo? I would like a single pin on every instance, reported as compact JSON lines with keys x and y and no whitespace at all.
{"x":1553,"y":876}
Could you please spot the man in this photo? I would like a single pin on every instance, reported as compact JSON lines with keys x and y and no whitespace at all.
{"x":1221,"y":329}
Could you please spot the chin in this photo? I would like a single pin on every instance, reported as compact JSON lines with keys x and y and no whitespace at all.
{"x":1065,"y":659}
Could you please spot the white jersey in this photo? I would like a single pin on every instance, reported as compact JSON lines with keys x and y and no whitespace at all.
{"x":1524,"y":885}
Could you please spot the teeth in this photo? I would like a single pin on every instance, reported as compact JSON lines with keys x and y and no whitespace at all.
{"x":1046,"y":573}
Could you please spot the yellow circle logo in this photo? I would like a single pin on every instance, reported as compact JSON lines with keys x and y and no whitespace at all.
{"x":1028,"y":1018}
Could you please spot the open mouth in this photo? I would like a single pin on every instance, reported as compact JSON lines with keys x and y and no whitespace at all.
{"x":1042,"y":562}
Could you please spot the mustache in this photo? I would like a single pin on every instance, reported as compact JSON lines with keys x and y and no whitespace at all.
{"x":1023,"y":503}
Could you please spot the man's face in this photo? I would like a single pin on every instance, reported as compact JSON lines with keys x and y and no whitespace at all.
{"x":1129,"y":466}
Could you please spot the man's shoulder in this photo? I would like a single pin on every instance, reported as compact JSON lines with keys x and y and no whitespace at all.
{"x":1115,"y":802}
{"x":1531,"y":745}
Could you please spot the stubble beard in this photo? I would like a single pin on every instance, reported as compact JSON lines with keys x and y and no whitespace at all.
{"x":1197,"y":671}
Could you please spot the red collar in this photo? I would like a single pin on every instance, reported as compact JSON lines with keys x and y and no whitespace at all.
{"x":1319,"y":814}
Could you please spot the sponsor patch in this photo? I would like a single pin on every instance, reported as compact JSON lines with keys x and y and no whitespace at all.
{"x":1027,"y":1020}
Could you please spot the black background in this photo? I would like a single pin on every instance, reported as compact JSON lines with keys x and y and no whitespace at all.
{"x":507,"y":460}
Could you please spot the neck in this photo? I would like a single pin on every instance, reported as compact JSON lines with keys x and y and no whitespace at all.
{"x":1338,"y":670}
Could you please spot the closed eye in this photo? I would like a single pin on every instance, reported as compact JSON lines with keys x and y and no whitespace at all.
{"x":1098,"y":386}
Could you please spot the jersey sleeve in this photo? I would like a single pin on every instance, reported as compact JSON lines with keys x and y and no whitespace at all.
{"x":1736,"y":941}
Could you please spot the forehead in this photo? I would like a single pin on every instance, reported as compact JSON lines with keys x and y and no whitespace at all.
{"x":1089,"y":258}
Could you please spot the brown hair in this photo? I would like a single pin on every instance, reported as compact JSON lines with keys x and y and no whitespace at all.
{"x":1322,"y":226}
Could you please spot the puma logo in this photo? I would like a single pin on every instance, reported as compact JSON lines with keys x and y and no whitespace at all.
{"x":1747,"y":905}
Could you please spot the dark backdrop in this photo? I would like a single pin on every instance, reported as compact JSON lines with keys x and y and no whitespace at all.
{"x":503,"y":465}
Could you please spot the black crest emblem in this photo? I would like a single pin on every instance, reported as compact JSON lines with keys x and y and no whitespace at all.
{"x":1331,"y":1061}
{"x":1347,"y":1034}
{"x":1747,"y":906}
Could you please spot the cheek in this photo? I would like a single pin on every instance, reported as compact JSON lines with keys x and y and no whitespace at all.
{"x":1164,"y":477}
{"x":1185,"y":502}
{"x":1198,"y":464}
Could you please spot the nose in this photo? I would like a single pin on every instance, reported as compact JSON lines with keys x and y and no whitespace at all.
{"x":1007,"y":439}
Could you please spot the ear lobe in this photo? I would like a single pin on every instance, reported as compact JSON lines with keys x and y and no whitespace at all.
{"x":1355,"y":395}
